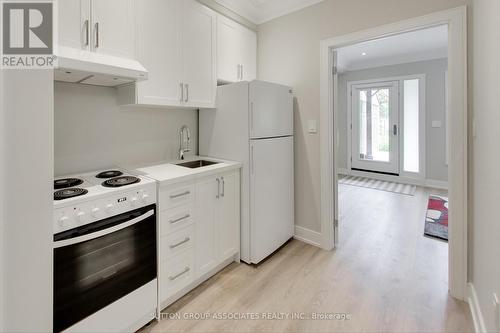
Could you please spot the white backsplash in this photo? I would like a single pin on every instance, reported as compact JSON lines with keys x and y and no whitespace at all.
{"x":92,"y":132}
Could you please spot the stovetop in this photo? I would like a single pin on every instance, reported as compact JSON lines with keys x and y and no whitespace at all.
{"x":87,"y":198}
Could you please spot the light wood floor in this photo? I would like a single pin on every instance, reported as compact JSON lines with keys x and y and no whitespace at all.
{"x":385,"y":274}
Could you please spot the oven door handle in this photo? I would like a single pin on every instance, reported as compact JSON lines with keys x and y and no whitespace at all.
{"x":104,"y":232}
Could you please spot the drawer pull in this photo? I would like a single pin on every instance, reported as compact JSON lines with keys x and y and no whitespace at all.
{"x":172,"y":278}
{"x":175,"y":196}
{"x":179,"y":219}
{"x":187,"y":239}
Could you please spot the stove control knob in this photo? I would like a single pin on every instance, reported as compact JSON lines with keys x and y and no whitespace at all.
{"x":64,"y":221}
{"x":109,"y":207}
{"x":95,"y":211}
{"x":79,"y":216}
{"x":144,"y":197}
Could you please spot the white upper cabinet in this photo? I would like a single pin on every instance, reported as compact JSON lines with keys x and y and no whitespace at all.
{"x":74,"y":23}
{"x":236,"y":51}
{"x":198,"y":52}
{"x":113,"y":27}
{"x":159,"y":50}
{"x":176,"y":43}
{"x":100,"y":26}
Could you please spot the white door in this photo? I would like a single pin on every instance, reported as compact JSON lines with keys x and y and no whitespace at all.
{"x":375,"y":127}
{"x":271,"y":110}
{"x":74,"y":23}
{"x":271,"y":195}
{"x":198,"y":52}
{"x":114,"y":27}
{"x":248,"y":54}
{"x":227,"y":49}
{"x":160,"y":53}
{"x":228,"y":214}
{"x":206,"y":205}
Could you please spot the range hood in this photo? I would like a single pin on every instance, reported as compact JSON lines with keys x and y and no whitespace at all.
{"x":78,"y":66}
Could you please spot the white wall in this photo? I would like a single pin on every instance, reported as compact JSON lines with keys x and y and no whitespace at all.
{"x":93,"y":132}
{"x":27,"y":210}
{"x":434,"y":70}
{"x":485,"y":177}
{"x":2,"y":191}
{"x":288,"y":53}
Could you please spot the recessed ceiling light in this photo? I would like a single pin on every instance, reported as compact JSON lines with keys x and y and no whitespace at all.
{"x":363,"y":54}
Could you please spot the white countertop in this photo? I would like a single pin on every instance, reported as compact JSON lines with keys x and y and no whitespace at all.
{"x":168,"y":172}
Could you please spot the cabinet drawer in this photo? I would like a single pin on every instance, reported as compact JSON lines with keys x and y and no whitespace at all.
{"x":176,"y":218}
{"x":177,"y":273}
{"x":179,"y":241}
{"x":173,"y":196}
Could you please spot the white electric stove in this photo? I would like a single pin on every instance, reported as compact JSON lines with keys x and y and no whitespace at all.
{"x":105,"y":252}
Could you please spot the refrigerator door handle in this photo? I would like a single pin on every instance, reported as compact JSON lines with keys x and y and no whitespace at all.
{"x":251,"y":160}
{"x":251,"y":117}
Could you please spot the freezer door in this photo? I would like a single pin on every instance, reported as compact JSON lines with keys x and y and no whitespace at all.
{"x":271,"y":110}
{"x":271,"y":195}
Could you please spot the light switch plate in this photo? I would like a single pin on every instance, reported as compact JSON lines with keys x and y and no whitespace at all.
{"x":313,"y":126}
{"x":436,"y":124}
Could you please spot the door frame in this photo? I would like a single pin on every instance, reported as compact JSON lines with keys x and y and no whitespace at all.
{"x":456,"y":20}
{"x":403,"y":175}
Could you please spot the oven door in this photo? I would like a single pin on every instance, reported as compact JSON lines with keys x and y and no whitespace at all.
{"x":99,"y":263}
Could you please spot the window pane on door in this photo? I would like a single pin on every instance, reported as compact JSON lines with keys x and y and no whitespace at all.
{"x":411,"y":126}
{"x":374,"y":125}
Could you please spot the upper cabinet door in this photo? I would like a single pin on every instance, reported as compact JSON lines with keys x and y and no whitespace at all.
{"x":74,"y":23}
{"x":159,"y":50}
{"x":228,"y":50}
{"x":113,"y":31}
{"x":248,"y":52}
{"x":198,"y":52}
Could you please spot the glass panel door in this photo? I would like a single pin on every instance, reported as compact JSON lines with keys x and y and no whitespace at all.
{"x":374,"y":117}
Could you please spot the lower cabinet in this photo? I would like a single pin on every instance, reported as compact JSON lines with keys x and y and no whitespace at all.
{"x":199,"y":232}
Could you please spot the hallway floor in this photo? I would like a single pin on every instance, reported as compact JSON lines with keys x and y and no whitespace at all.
{"x":384,"y":274}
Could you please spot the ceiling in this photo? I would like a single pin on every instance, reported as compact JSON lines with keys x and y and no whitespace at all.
{"x":260,"y":11}
{"x":420,"y":45}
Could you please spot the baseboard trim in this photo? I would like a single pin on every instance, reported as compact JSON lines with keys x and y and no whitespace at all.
{"x":307,"y":236}
{"x":437,"y":184}
{"x":475,"y":309}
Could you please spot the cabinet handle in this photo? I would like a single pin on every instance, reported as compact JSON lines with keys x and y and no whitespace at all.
{"x":223,"y":187}
{"x":238,"y":72}
{"x":241,"y":75}
{"x":218,"y":188}
{"x":96,"y":34}
{"x":172,"y":278}
{"x":175,"y":196}
{"x":182,"y":91}
{"x":395,"y":129}
{"x":187,"y":93}
{"x":187,"y":239}
{"x":180,"y":219}
{"x":87,"y":32}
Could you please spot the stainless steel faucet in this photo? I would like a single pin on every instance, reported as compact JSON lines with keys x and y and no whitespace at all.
{"x":183,"y":150}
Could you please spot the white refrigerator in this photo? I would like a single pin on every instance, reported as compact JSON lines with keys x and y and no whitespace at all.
{"x":253,"y":123}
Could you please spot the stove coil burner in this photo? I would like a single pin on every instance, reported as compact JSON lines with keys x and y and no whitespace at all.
{"x":109,"y":174}
{"x":121,"y":181}
{"x":69,"y":193}
{"x":66,"y":182}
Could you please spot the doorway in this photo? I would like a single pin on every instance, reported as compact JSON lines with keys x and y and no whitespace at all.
{"x":455,"y":20}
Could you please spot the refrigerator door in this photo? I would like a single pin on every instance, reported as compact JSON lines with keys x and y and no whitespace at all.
{"x":271,"y":110}
{"x":271,"y":195}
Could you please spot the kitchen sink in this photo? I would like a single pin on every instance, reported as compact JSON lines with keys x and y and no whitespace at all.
{"x":196,"y":164}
